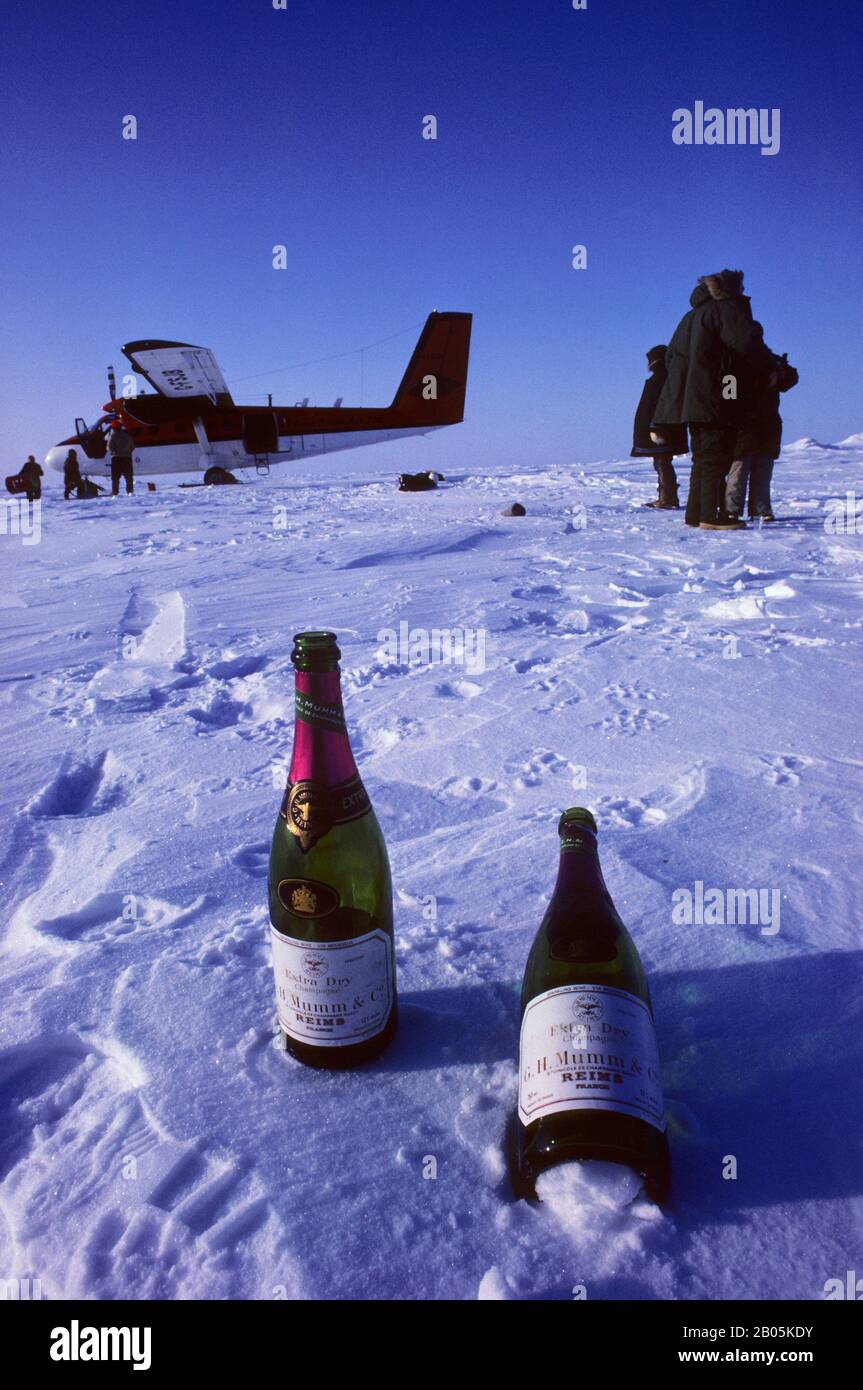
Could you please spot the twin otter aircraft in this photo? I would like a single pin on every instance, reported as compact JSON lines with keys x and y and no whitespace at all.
{"x":192,"y":423}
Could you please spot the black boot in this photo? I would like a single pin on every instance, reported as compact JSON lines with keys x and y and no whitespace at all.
{"x":667,"y":499}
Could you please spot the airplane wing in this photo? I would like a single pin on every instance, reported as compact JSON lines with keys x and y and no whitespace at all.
{"x":179,"y":371}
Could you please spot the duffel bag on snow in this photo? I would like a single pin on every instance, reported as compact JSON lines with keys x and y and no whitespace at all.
{"x":416,"y":482}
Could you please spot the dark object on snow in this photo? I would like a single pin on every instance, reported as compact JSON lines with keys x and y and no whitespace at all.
{"x":216,"y":475}
{"x":515,"y":510}
{"x":89,"y":489}
{"x":417,"y":482}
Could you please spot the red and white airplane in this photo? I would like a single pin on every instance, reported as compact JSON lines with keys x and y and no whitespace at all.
{"x":192,"y":424}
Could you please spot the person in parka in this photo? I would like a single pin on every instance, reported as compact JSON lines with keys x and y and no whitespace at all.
{"x":704,"y":355}
{"x":758,"y":444}
{"x":673,"y":440}
{"x":71,"y":475}
{"x":120,"y":445}
{"x":32,"y":475}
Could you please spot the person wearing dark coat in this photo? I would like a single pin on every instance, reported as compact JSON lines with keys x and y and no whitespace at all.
{"x":32,"y":475}
{"x":758,"y":444}
{"x":71,"y":475}
{"x":120,"y":445}
{"x":704,"y":355}
{"x":650,"y":445}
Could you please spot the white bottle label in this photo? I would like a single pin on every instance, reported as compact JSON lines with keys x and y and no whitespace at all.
{"x":332,"y":993}
{"x":589,"y":1047}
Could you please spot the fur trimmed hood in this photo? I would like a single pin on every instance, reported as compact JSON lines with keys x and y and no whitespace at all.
{"x":727,"y":284}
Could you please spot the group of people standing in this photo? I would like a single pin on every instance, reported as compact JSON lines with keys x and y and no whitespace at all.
{"x":717,"y":379}
{"x":120,"y":445}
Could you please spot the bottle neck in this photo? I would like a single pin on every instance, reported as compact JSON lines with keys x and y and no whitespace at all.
{"x":322,"y":750}
{"x":581,"y":923}
{"x":579,"y":868}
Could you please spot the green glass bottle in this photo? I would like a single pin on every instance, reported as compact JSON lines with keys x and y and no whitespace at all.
{"x":331,"y":907}
{"x":589,"y":1085}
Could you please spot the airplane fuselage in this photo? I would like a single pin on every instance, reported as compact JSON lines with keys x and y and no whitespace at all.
{"x":191,"y":422}
{"x":152,"y":455}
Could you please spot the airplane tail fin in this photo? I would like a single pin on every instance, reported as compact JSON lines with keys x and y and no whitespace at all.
{"x":432,"y":390}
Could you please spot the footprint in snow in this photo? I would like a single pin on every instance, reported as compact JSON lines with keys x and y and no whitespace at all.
{"x":458,"y":690}
{"x":221,"y":713}
{"x":632,"y":716}
{"x":113,"y":914}
{"x":468,"y":786}
{"x":535,"y":770}
{"x":143,"y":1214}
{"x":233,"y":667}
{"x":253,"y":859}
{"x":537,"y":591}
{"x":623,"y":811}
{"x":671,"y":800}
{"x":238,"y":939}
{"x":631,"y":722}
{"x":82,"y":787}
{"x":153,"y":629}
{"x":784,"y":771}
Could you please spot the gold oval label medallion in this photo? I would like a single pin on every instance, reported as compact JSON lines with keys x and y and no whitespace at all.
{"x":307,"y":897}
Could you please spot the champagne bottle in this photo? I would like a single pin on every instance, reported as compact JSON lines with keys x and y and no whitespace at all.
{"x":330,"y":893}
{"x":589,"y":1084}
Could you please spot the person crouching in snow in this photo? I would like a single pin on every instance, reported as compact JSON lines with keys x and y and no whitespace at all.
{"x":660,"y":446}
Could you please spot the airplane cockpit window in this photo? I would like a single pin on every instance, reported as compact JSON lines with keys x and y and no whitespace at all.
{"x":91,"y":438}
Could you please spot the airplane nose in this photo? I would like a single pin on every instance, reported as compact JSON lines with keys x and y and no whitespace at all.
{"x":55,"y":457}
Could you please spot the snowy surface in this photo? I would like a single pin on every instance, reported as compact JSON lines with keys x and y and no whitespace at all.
{"x":147,"y":718}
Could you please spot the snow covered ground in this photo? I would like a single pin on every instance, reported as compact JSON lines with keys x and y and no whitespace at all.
{"x":697,"y":691}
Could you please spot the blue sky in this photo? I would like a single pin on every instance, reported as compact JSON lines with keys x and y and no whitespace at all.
{"x":303,"y":127}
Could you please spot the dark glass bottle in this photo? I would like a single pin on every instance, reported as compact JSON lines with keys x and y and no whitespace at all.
{"x":589,"y":1085}
{"x":330,"y":892}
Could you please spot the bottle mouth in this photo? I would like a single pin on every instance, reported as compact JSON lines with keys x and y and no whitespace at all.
{"x":577,"y":816}
{"x":315,"y":651}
